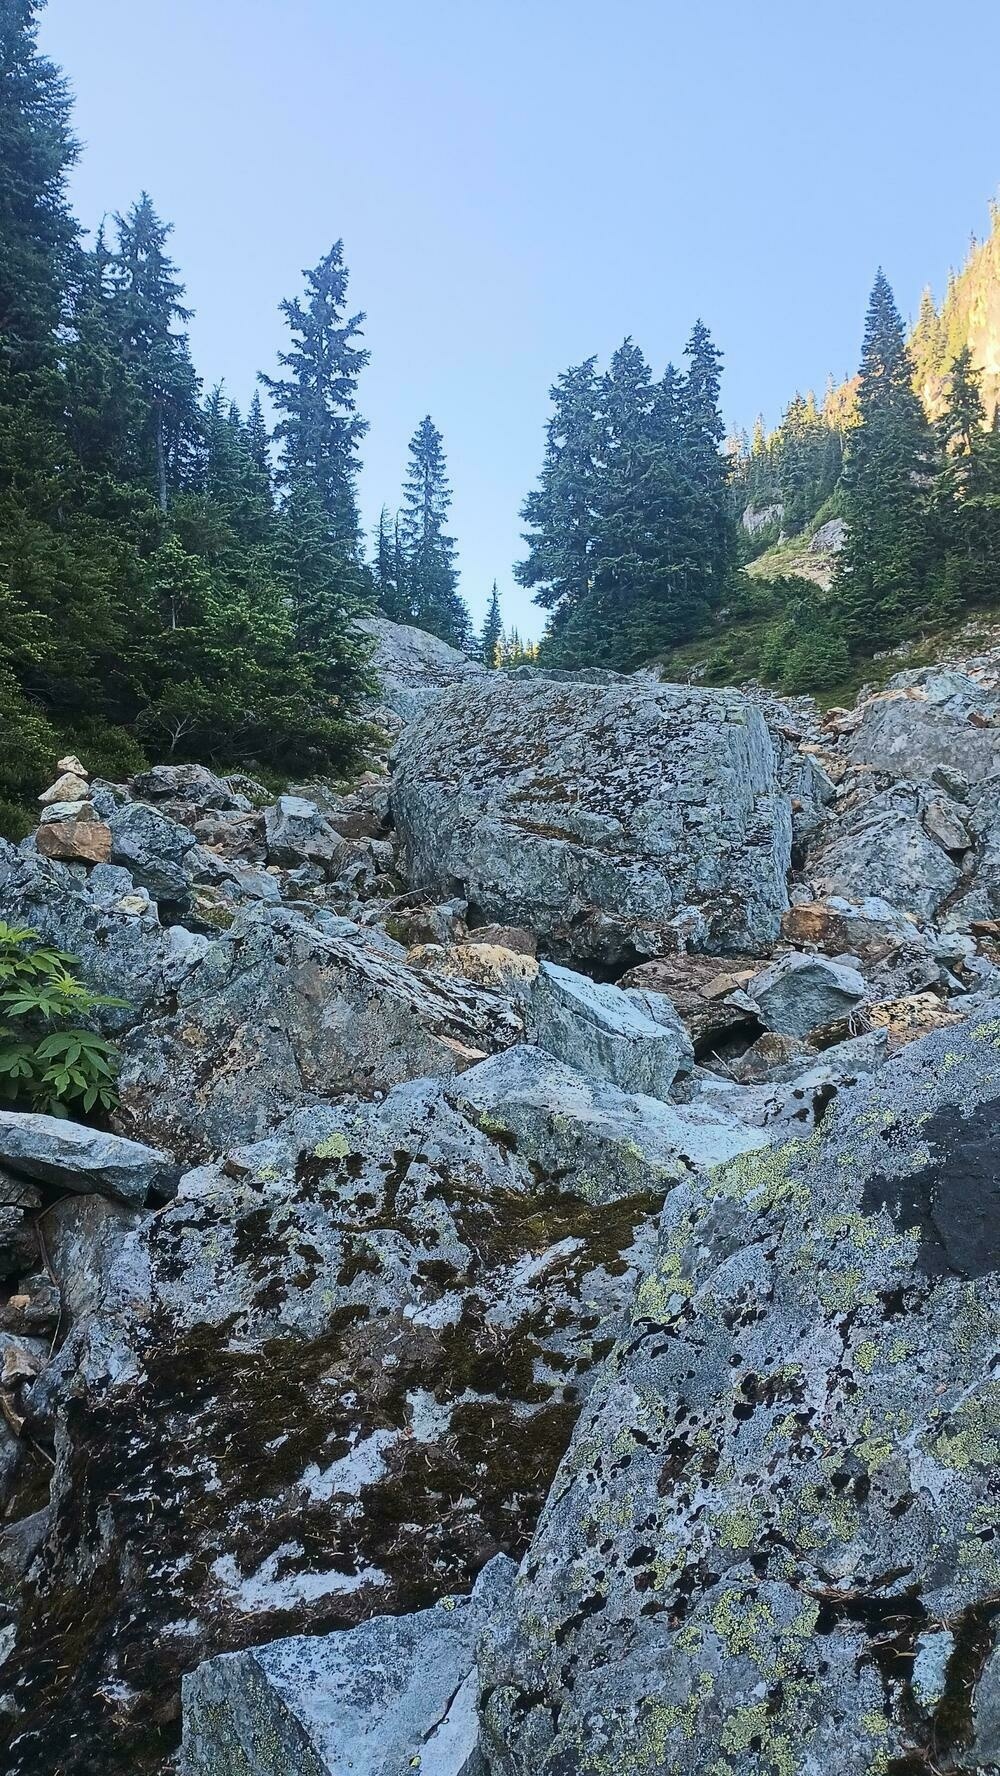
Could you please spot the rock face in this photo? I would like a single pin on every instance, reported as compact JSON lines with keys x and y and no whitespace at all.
{"x":414,"y":668}
{"x":393,"y":1696}
{"x":597,"y":814}
{"x":277,"y":1010}
{"x":333,"y":1378}
{"x":771,"y":1545}
{"x":931,"y":719}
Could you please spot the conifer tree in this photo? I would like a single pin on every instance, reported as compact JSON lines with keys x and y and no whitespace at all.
{"x":258,"y":437}
{"x":319,"y":428}
{"x":428,"y":551}
{"x":882,"y":566}
{"x":492,"y":636}
{"x":559,"y":512}
{"x":147,"y":307}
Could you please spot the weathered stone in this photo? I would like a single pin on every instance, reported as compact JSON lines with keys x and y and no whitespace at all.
{"x":629,"y":804}
{"x":156,"y":850}
{"x":414,"y":668}
{"x":944,"y":824}
{"x":67,"y":1154}
{"x":68,"y":787}
{"x":884,"y":851}
{"x":83,"y":1238}
{"x":413,"y":926}
{"x":773,"y":1058}
{"x":72,"y":765}
{"x":75,"y":841}
{"x":193,"y":785}
{"x":275,"y":1011}
{"x":486,"y":965}
{"x":606,"y":1033}
{"x":592,"y":1137}
{"x":798,"y":992}
{"x":870,"y":929}
{"x":296,"y":832}
{"x":787,"y":1475}
{"x":331,"y":1379}
{"x":699,"y":988}
{"x":928,"y":720}
{"x":507,"y":937}
{"x":397,"y":1694}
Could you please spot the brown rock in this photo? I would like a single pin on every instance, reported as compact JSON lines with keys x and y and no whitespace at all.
{"x":698,"y":990}
{"x":486,"y":965}
{"x":75,"y":841}
{"x":945,"y":826}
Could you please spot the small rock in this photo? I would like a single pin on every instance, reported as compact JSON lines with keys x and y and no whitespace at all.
{"x":73,"y":1157}
{"x":799,"y":992}
{"x":69,"y":787}
{"x":297,"y":833}
{"x":607,"y":1033}
{"x":507,"y":937}
{"x":944,"y":825}
{"x":70,"y":765}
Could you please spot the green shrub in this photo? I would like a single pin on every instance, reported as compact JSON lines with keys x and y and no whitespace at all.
{"x":49,"y":1059}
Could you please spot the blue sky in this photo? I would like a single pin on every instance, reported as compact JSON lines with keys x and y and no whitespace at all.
{"x":520,"y":183}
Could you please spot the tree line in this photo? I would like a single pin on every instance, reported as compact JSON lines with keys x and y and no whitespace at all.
{"x":175,"y":577}
{"x":630,"y":532}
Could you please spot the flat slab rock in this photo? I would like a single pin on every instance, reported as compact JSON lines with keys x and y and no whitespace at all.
{"x":572,"y":807}
{"x":394,"y":1696}
{"x":73,"y":1157}
{"x":772,"y":1545}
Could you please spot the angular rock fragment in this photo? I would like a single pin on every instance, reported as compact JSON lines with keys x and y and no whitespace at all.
{"x":799,"y":992}
{"x":277,"y":1010}
{"x":56,"y":1151}
{"x":396,"y":1695}
{"x":606,"y":1033}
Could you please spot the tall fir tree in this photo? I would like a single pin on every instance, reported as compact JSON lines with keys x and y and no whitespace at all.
{"x":881,"y":570}
{"x":319,"y":427}
{"x":149,"y":313}
{"x":492,"y":636}
{"x":428,"y":551}
{"x":559,"y":515}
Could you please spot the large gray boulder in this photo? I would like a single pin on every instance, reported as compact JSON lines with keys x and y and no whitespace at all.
{"x":772,"y":1543}
{"x":158,"y":852}
{"x":596,"y":814}
{"x":413,"y":667}
{"x":634,"y":1040}
{"x":883,"y":850}
{"x":799,"y":992}
{"x":394,"y":1696}
{"x":72,"y":1157}
{"x":330,"y":1380}
{"x":927,"y":720}
{"x":278,"y":1011}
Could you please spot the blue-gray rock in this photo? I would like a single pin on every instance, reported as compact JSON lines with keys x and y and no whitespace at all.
{"x":607,"y":1033}
{"x":194,"y":786}
{"x":929,"y":720}
{"x":297,"y":833}
{"x":72,"y":1157}
{"x":112,"y":928}
{"x":154,"y":849}
{"x":277,"y":1012}
{"x":396,"y":1695}
{"x":882,"y":850}
{"x":413,"y":668}
{"x":799,"y":992}
{"x":596,"y":815}
{"x":783,"y":1490}
{"x":596,"y":1140}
